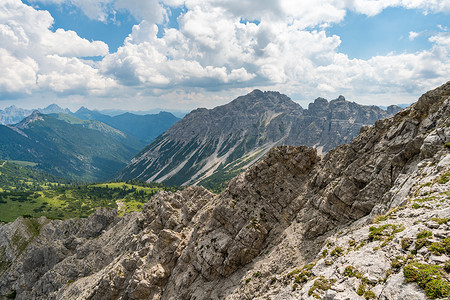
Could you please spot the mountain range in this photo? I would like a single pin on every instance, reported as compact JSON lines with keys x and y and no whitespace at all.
{"x":63,"y":145}
{"x":210,"y":146}
{"x":81,"y":145}
{"x":115,"y":112}
{"x":143,"y":127}
{"x":368,"y":220}
{"x":14,"y":114}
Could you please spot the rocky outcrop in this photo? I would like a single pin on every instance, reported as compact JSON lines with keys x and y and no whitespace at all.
{"x":355,"y":223}
{"x":209,"y":147}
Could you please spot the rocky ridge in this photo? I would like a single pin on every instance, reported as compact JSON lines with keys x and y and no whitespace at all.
{"x":209,"y":147}
{"x":353,"y":224}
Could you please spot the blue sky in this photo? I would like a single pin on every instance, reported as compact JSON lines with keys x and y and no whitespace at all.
{"x":113,"y":32}
{"x":183,"y":54}
{"x":365,"y":36}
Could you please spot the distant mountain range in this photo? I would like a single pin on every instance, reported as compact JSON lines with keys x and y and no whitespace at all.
{"x":115,"y":112}
{"x":14,"y":114}
{"x":145,"y":127}
{"x":66,"y":146}
{"x":209,"y":147}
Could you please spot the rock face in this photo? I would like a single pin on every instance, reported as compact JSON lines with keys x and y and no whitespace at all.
{"x":352,"y":225}
{"x":212,"y":146}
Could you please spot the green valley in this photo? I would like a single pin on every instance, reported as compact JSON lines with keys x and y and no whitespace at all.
{"x":72,"y":201}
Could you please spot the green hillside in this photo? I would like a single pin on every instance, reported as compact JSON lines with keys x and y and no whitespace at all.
{"x":19,"y":176}
{"x":77,"y":201}
{"x":68,"y":149}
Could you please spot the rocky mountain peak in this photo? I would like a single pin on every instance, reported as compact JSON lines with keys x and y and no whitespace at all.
{"x":54,"y":109}
{"x":26,"y":123}
{"x":392,"y":109}
{"x":256,"y":93}
{"x":11,"y":108}
{"x":82,"y":109}
{"x":261,"y":101}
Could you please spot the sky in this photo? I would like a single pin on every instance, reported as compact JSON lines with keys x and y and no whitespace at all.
{"x":184,"y":54}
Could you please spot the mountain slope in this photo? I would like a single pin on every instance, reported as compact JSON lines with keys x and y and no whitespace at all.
{"x":143,"y":127}
{"x":95,"y":125}
{"x":67,"y":150}
{"x":16,"y":177}
{"x":261,"y":237}
{"x":211,"y":146}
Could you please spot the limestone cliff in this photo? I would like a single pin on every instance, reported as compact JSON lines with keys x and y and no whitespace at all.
{"x":354,"y":224}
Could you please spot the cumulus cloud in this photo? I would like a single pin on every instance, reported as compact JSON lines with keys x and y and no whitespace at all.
{"x":442,"y":39}
{"x":103,"y":10}
{"x":35,"y":58}
{"x":16,"y":76}
{"x":214,"y":48}
{"x":219,"y":45}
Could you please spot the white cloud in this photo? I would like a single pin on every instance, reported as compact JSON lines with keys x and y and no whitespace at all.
{"x":68,"y":43}
{"x":104,"y":10}
{"x":34,"y":58}
{"x":442,"y":39}
{"x":413,"y":35}
{"x":16,"y":76}
{"x":217,"y":47}
{"x":71,"y":75}
{"x":374,"y":7}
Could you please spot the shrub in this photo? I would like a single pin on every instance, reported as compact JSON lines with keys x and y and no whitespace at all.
{"x":428,"y":277}
{"x":337,"y":251}
{"x":385,"y":232}
{"x":441,"y":247}
{"x":398,"y":262}
{"x":369,"y":295}
{"x":440,"y":221}
{"x":320,"y":284}
{"x":444,"y":178}
{"x":405,"y":243}
{"x":361,"y":289}
{"x":421,"y":243}
{"x":350,"y":271}
{"x":424,"y":234}
{"x":447,"y":266}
